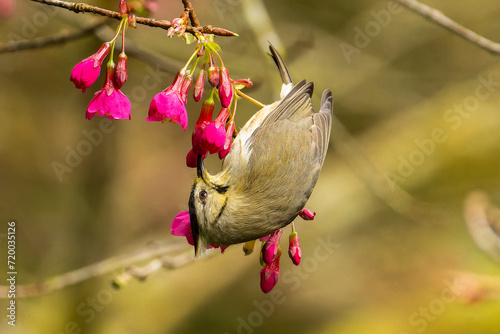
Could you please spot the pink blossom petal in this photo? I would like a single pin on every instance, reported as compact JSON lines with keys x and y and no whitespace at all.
{"x":84,"y":74}
{"x":181,"y":226}
{"x":167,"y":104}
{"x":269,"y":275}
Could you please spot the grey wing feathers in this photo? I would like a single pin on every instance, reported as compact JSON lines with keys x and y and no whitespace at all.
{"x":296,"y":103}
{"x":322,"y":124}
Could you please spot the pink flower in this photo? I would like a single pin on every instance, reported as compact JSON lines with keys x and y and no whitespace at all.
{"x":225,"y":88}
{"x":7,"y":8}
{"x":270,"y":274}
{"x":171,"y":102}
{"x":307,"y":214}
{"x":121,"y":70}
{"x":229,"y":138}
{"x":181,"y":227}
{"x":294,"y":250}
{"x":204,"y":119}
{"x":151,"y":5}
{"x":213,"y":137}
{"x":192,"y":159}
{"x":109,"y":101}
{"x":271,"y":247}
{"x":86,"y":72}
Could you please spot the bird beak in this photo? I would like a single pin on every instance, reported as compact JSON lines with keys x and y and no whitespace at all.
{"x":196,"y":239}
{"x":195,"y":231}
{"x":200,"y":166}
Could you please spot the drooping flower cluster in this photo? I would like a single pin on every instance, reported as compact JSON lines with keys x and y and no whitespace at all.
{"x":209,"y":136}
{"x":109,"y":101}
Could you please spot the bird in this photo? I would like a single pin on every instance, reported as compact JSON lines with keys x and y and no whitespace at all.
{"x":269,"y":173}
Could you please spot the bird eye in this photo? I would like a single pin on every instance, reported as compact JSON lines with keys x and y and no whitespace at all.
{"x":203,"y":195}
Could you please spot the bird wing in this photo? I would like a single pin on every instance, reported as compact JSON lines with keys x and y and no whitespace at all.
{"x":322,"y":124}
{"x":295,"y":106}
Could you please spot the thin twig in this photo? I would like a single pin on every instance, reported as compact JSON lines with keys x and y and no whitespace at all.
{"x":155,"y":250}
{"x":58,"y":38}
{"x":164,"y":24}
{"x":144,"y":272}
{"x":453,"y":26}
{"x":476,"y":206}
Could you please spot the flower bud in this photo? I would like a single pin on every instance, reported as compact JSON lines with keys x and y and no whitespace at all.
{"x":124,"y":8}
{"x":186,"y":84}
{"x":307,"y":214}
{"x":86,"y":72}
{"x":271,"y":247}
{"x":201,"y":53}
{"x":121,"y":70}
{"x":269,"y":275}
{"x":213,"y":73}
{"x":131,"y":18}
{"x":294,"y":250}
{"x":248,"y":247}
{"x":199,"y":85}
{"x":170,"y":32}
{"x":225,"y":88}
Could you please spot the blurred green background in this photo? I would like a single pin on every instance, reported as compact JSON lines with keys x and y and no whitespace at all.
{"x":377,"y":258}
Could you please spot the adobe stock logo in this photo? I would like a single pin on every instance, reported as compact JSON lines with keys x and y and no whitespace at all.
{"x":291,"y":280}
{"x":373,"y":28}
{"x":453,"y":119}
{"x":84,"y":147}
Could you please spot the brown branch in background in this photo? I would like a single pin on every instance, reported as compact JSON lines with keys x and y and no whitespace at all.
{"x":58,"y":38}
{"x":453,"y":26}
{"x":192,"y":15}
{"x":476,"y":210}
{"x":166,"y":253}
{"x":164,"y":24}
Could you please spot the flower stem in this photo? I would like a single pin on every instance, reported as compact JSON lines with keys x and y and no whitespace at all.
{"x":191,"y":58}
{"x":113,"y":40}
{"x":238,"y":92}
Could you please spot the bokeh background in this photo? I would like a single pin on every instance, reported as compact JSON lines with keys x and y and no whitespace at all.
{"x":389,"y":239}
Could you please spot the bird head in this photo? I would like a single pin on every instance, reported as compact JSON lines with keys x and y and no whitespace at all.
{"x":206,"y":205}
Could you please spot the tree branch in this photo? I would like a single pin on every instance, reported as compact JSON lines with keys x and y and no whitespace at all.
{"x":192,"y":15}
{"x":165,"y":255}
{"x":58,"y":38}
{"x":453,"y":26}
{"x":476,"y":207}
{"x":164,"y":24}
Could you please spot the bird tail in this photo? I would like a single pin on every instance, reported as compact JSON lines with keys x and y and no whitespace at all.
{"x":285,"y":75}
